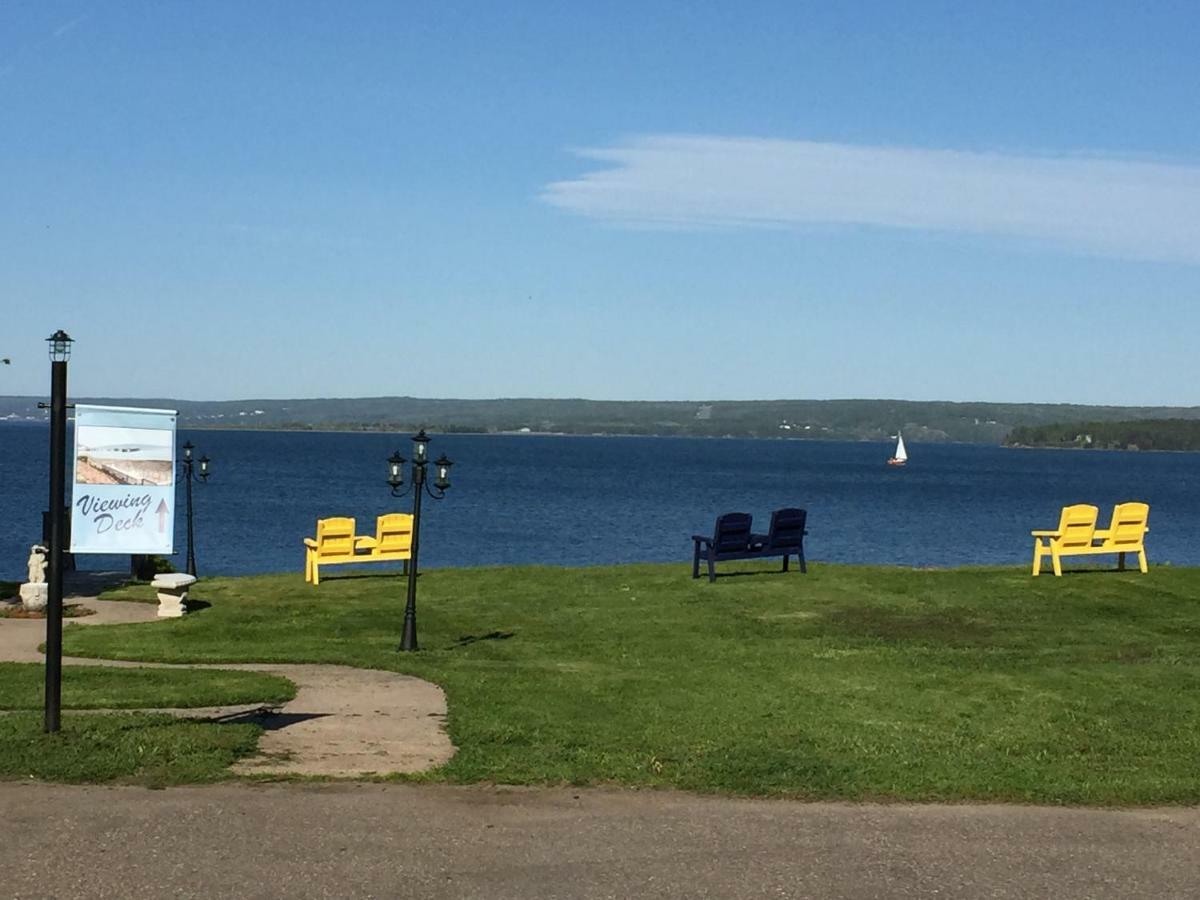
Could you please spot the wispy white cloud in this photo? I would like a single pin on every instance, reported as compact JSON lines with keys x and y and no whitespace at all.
{"x":71,"y":25}
{"x":36,"y":47}
{"x":1102,"y":205}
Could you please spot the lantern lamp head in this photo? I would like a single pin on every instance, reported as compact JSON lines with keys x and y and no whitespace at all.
{"x":60,"y":346}
{"x":443,"y":473}
{"x":396,"y":469}
{"x":204,"y":464}
{"x":420,"y":447}
{"x":187,"y":451}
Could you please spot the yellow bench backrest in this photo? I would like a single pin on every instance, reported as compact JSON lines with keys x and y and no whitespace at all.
{"x":1128,"y":523}
{"x":1077,"y":525}
{"x":393,"y":535}
{"x":335,"y":537}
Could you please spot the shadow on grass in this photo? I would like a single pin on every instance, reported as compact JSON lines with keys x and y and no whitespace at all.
{"x":1128,"y":570}
{"x":745,"y":574}
{"x":468,"y":639}
{"x":360,"y":576}
{"x":85,"y":585}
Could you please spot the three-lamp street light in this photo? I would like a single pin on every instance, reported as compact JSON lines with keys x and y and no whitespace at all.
{"x":192,"y":469}
{"x":419,"y":487}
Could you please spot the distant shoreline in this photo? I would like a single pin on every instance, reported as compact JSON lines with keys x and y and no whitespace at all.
{"x":1093,"y":449}
{"x":267,"y":429}
{"x":921,"y":421}
{"x":565,"y":434}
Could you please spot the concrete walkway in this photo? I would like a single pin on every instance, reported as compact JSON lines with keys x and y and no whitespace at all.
{"x":372,"y":840}
{"x":343,"y":722}
{"x":20,"y":638}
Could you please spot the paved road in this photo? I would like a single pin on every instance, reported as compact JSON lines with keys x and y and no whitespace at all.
{"x":373,"y":840}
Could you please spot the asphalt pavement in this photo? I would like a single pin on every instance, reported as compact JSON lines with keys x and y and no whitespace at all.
{"x":390,"y":840}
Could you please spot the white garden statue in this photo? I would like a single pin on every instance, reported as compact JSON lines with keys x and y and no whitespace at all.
{"x":37,"y":564}
{"x":34,"y":593}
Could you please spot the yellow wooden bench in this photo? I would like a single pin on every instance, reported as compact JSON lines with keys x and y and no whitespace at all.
{"x":337,"y":544}
{"x":1077,"y":535}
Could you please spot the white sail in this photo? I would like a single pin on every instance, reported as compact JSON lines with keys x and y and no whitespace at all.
{"x":901,"y":453}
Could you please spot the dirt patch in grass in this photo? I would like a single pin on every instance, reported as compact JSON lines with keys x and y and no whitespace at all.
{"x":70,"y":611}
{"x":1131,"y":654}
{"x":953,"y":627}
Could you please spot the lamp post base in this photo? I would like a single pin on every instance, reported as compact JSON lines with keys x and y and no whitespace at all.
{"x":409,"y":639}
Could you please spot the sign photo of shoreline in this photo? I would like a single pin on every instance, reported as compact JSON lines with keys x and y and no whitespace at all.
{"x":114,"y":455}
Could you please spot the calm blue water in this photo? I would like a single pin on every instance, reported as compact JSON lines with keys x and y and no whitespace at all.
{"x":593,"y":500}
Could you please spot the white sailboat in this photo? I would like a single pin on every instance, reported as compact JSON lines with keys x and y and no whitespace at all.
{"x":900,"y":457}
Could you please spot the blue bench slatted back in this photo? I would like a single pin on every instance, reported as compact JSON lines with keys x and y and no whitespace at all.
{"x":732,"y":534}
{"x":787,"y":528}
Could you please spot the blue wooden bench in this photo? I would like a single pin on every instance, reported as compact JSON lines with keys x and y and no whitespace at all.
{"x":733,"y":539}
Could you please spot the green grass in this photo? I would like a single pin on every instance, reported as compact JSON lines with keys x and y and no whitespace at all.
{"x":146,"y":749}
{"x":134,"y":592}
{"x":850,"y":682}
{"x":97,"y":687}
{"x":141,"y":748}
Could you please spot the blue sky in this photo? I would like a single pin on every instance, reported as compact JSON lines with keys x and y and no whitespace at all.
{"x":615,"y":201}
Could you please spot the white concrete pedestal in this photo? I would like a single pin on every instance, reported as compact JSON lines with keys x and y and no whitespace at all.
{"x":34,"y":597}
{"x":172,"y":590}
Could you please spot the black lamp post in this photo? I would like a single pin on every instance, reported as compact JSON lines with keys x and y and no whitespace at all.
{"x":60,"y":351}
{"x":190,"y":475}
{"x":419,"y":486}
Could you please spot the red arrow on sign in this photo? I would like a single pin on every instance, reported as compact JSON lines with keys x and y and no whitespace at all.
{"x":162,"y":516}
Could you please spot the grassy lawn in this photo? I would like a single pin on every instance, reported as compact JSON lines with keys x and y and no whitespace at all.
{"x":147,"y":749}
{"x":134,"y":592}
{"x":850,"y":682}
{"x":96,"y":687}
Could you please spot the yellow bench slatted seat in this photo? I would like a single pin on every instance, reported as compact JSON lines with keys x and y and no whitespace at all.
{"x":1077,"y":535}
{"x":337,"y":544}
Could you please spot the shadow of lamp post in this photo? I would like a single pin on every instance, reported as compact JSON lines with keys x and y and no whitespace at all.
{"x":418,"y":487}
{"x":60,"y":351}
{"x":189,"y":475}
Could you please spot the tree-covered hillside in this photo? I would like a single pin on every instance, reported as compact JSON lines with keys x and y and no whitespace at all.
{"x":1146,"y":434}
{"x":921,"y":421}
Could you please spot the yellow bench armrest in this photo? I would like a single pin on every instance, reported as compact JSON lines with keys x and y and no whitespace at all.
{"x":1046,"y":533}
{"x":309,"y":542}
{"x":365,"y":543}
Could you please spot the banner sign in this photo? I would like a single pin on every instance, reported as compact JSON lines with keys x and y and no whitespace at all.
{"x":124,"y":496}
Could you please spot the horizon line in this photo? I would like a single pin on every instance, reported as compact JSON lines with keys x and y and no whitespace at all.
{"x":701,"y":402}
